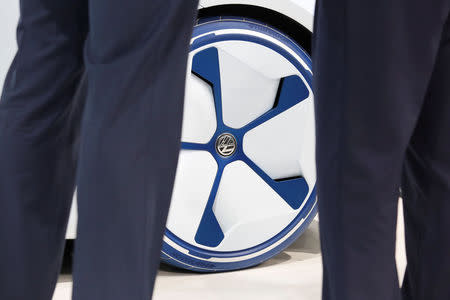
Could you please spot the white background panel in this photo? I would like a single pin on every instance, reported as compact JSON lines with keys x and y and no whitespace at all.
{"x":9,"y":15}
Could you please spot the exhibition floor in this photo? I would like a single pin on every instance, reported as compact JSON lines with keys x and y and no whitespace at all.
{"x":293,"y":274}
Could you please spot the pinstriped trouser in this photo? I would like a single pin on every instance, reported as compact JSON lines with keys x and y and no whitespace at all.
{"x":120,"y":135}
{"x":382,"y":74}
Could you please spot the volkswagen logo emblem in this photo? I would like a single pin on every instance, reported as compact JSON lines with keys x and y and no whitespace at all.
{"x":226,"y":144}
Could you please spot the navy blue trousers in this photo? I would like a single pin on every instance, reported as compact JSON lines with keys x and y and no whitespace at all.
{"x":117,"y":139}
{"x":382,"y":88}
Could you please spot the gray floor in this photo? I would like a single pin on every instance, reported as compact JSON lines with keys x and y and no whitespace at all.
{"x":293,"y":274}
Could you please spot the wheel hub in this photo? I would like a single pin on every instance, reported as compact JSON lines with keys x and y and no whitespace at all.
{"x":226,"y":145}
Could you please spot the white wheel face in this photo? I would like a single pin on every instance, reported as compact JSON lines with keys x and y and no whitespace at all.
{"x":247,"y":165}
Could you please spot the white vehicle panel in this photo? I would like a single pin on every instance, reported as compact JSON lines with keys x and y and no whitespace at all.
{"x":199,"y":118}
{"x":244,"y":203}
{"x":300,"y":10}
{"x":277,"y":159}
{"x":195,"y":175}
{"x":244,"y":100}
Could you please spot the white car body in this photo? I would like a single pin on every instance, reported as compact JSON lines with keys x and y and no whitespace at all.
{"x":301,"y":11}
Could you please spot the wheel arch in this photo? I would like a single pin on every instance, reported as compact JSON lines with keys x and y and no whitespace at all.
{"x":296,"y":24}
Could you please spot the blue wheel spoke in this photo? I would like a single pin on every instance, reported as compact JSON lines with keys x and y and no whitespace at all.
{"x":293,"y":190}
{"x":205,"y":65}
{"x":193,"y":146}
{"x":291,"y":91}
{"x":209,"y":232}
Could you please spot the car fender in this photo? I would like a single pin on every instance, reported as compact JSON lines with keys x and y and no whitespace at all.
{"x":301,"y":11}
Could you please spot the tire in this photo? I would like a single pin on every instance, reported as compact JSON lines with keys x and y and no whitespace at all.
{"x":245,"y":183}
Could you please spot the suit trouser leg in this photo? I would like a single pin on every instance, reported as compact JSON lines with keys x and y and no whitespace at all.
{"x":426,"y":190}
{"x":372,"y":62}
{"x":135,"y":58}
{"x":39,"y":124}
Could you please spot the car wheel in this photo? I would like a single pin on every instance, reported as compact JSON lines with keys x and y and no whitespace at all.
{"x":245,"y":183}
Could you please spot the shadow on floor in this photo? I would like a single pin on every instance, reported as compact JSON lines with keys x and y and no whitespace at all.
{"x":307,"y":243}
{"x":307,"y":246}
